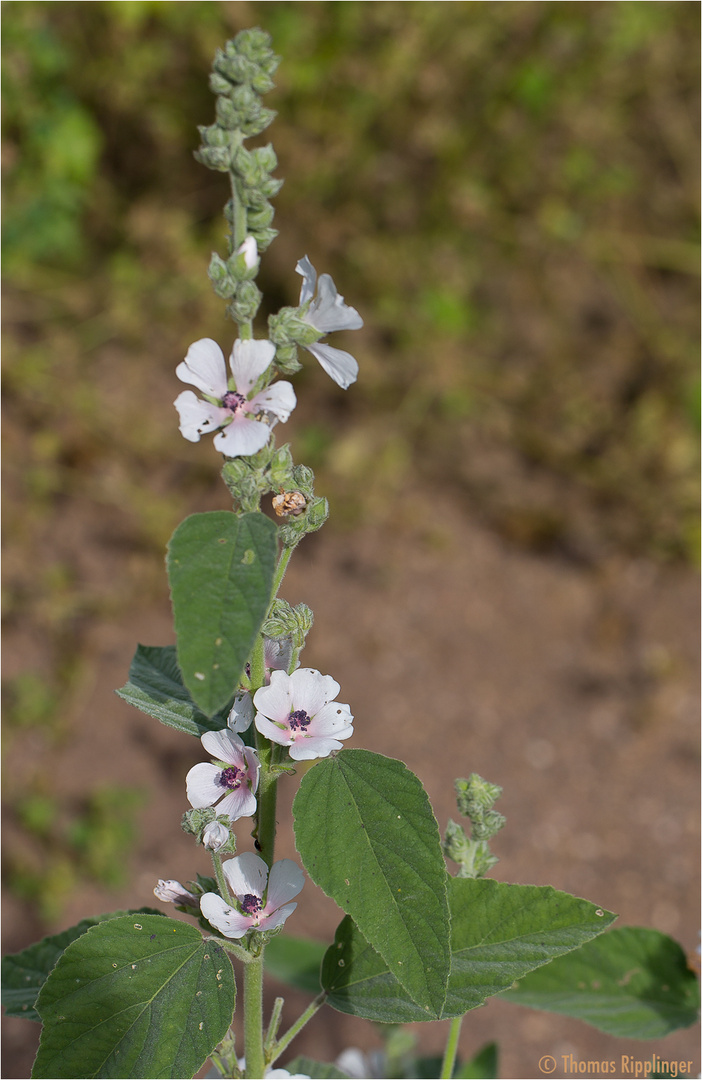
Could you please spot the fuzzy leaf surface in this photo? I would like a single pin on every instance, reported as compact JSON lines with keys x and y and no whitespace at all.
{"x":633,"y":983}
{"x":24,"y":973}
{"x":156,"y":687}
{"x":220,"y":567}
{"x":367,"y":836}
{"x":496,"y":930}
{"x":142,"y":996}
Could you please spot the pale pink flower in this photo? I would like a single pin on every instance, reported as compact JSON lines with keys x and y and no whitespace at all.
{"x":299,"y":711}
{"x":228,"y":405}
{"x":233,"y":779}
{"x":262,"y":899}
{"x":326,"y":313}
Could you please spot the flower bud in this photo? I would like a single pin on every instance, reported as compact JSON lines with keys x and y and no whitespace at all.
{"x":215,"y":836}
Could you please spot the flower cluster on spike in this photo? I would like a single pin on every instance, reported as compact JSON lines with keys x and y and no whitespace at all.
{"x":262,"y":899}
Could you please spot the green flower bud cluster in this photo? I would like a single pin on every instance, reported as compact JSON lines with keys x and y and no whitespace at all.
{"x":287,"y":330}
{"x":285,"y":621}
{"x":195,"y":822}
{"x":241,"y":73}
{"x":475,"y":798}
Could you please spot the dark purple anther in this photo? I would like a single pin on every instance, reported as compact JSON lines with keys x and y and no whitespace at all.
{"x":231,"y":777}
{"x":233,"y":401}
{"x":250,"y":904}
{"x":299,"y":720}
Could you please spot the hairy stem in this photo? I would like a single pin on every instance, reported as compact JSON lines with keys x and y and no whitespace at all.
{"x":253,"y":1018}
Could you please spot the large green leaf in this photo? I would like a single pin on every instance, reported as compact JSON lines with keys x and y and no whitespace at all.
{"x":220,"y":567}
{"x":367,"y":836}
{"x":497,"y":930}
{"x":24,"y":973}
{"x":142,"y":996}
{"x":632,"y":982}
{"x":156,"y":687}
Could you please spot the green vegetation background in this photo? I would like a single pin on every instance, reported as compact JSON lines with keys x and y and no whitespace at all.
{"x":506,"y":191}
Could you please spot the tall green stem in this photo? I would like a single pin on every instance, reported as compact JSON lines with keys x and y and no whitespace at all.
{"x":447,"y":1065}
{"x":289,"y":1035}
{"x":253,"y":1018}
{"x":238,"y":235}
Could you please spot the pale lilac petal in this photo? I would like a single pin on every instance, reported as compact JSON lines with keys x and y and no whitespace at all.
{"x":238,"y":804}
{"x":279,"y":398}
{"x":309,"y":279}
{"x":172,"y":892}
{"x":311,"y":690}
{"x":249,"y":359}
{"x":310,"y":748}
{"x":242,"y":713}
{"x":328,"y":312}
{"x":277,"y":654}
{"x":331,"y":718}
{"x":198,"y":417}
{"x":205,"y":368}
{"x":227,"y":920}
{"x":285,"y":880}
{"x":249,"y":249}
{"x":202,"y":785}
{"x":225,"y":746}
{"x":272,"y":731}
{"x":275,"y":700}
{"x":246,"y":873}
{"x":339,"y":365}
{"x":242,"y":437}
{"x":276,"y":918}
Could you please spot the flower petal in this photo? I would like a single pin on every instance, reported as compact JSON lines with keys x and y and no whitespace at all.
{"x":285,"y":880}
{"x":246,"y":873}
{"x":279,"y":398}
{"x":276,"y":918}
{"x":202,"y":785}
{"x":249,"y":359}
{"x":198,"y":417}
{"x":227,"y":920}
{"x":242,"y":712}
{"x":271,"y":731}
{"x":309,"y":276}
{"x":331,"y":719}
{"x":310,"y":748}
{"x":238,"y":804}
{"x":311,"y":690}
{"x":224,"y":745}
{"x":205,"y":368}
{"x":275,"y":700}
{"x":328,"y":311}
{"x":242,"y":437}
{"x":339,"y":365}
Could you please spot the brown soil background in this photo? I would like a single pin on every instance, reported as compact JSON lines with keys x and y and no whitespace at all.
{"x":574,"y":689}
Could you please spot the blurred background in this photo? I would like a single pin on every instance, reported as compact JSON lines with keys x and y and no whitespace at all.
{"x":508,"y":193}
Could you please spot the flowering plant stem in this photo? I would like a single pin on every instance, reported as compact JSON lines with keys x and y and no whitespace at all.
{"x":253,"y":1018}
{"x":297,"y":1027}
{"x":449,"y":1061}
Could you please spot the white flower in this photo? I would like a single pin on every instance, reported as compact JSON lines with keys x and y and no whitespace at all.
{"x":281,"y":1074}
{"x":215,"y":835}
{"x":326,"y":313}
{"x":277,"y":654}
{"x":299,"y":711}
{"x":261,"y":898}
{"x":231,"y":408}
{"x":233,"y":779}
{"x":249,"y":249}
{"x":172,"y":892}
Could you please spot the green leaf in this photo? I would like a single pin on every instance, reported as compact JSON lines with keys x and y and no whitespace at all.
{"x":134,"y":997}
{"x":156,"y":687}
{"x":220,"y":567}
{"x":501,"y":931}
{"x":367,"y":836}
{"x":632,"y":982}
{"x":295,"y":961}
{"x":24,"y":973}
{"x":316,"y":1070}
{"x":497,"y":930}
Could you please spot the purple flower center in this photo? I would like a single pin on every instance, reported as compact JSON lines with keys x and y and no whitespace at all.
{"x":232,"y":777}
{"x":299,"y":720}
{"x":250,"y":904}
{"x":233,"y":401}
